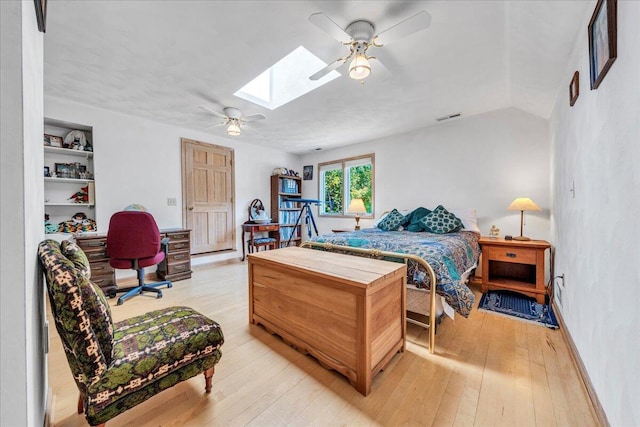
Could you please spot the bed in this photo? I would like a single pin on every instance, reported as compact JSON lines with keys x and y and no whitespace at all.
{"x":450,"y":258}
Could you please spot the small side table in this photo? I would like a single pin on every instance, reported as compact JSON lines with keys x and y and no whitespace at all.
{"x":255,"y":242}
{"x":514,"y":265}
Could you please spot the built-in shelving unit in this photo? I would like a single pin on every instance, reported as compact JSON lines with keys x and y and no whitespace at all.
{"x":69,"y":172}
{"x":284,"y":210}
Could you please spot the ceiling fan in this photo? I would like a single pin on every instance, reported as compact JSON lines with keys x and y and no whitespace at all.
{"x":233,"y":119}
{"x":360,"y":36}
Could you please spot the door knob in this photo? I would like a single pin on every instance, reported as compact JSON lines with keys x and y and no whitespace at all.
{"x":190,"y":207}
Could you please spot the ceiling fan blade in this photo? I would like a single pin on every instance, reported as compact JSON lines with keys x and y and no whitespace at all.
{"x":325,"y":23}
{"x":417,"y":22}
{"x":329,"y":68}
{"x":379,"y":71}
{"x":215,"y":113}
{"x":253,"y":117}
{"x":214,"y":125}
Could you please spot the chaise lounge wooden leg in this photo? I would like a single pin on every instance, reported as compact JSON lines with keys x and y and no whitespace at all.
{"x":80,"y":405}
{"x":208,"y":374}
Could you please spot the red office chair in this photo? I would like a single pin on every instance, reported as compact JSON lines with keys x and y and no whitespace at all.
{"x":133,"y":242}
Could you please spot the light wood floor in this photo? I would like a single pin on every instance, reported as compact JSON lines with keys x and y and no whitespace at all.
{"x":488,"y":370}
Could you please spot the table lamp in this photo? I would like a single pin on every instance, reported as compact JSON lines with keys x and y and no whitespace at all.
{"x":357,"y":207}
{"x":522,"y":204}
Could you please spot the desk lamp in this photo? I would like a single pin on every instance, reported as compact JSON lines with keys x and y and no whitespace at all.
{"x":357,"y":207}
{"x":522,"y":204}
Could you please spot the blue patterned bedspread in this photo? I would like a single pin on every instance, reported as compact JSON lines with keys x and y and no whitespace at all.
{"x":450,"y":255}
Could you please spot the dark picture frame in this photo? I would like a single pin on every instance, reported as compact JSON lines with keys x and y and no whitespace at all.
{"x":574,"y":88}
{"x":603,"y":35}
{"x":47,"y":173}
{"x":41,"y":14}
{"x":307,"y":173}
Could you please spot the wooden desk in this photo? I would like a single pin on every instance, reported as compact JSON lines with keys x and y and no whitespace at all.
{"x":273,"y":230}
{"x":346,"y":311}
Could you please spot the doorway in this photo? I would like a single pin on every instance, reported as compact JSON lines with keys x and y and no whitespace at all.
{"x":207,"y":190}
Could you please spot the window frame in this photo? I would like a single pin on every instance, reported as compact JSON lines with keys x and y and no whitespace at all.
{"x":344,"y":165}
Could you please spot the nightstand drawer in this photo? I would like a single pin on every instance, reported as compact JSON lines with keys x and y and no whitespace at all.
{"x":515,"y":255}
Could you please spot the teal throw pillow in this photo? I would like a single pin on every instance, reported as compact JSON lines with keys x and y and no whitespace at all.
{"x":392,"y":221}
{"x":413,"y":219}
{"x":441,"y":221}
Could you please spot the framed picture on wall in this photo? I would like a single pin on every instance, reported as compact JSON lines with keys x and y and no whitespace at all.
{"x":307,"y":173}
{"x":603,"y":34}
{"x":574,"y":88}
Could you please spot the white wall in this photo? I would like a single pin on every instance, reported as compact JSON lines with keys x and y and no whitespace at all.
{"x":139,"y":161}
{"x":22,"y":359}
{"x":596,"y":143}
{"x":481,"y":162}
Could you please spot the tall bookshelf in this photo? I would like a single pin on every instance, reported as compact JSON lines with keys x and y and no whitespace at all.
{"x":286,"y":211}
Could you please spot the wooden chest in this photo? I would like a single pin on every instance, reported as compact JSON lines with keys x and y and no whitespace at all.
{"x":346,"y":311}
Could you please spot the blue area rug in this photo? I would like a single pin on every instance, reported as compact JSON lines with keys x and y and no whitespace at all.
{"x":519,"y":306}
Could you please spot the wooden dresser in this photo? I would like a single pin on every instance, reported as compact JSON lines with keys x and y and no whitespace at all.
{"x":346,"y":311}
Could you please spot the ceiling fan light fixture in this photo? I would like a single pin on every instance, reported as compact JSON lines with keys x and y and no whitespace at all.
{"x":359,"y":68}
{"x":233,"y":129}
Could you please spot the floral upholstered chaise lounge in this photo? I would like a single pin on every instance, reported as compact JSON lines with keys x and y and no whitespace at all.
{"x":119,"y":365}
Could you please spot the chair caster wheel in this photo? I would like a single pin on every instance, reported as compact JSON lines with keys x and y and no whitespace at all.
{"x":159,"y":295}
{"x":170,"y":285}
{"x":120,"y":302}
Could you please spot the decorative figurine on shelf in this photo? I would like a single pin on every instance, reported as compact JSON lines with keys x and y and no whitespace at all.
{"x":75,"y":140}
{"x":48,"y":227}
{"x":280,"y":171}
{"x":494,"y":232}
{"x":81,"y":196}
{"x":78,"y":223}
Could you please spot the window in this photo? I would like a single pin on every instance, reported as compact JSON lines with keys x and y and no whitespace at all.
{"x":342,"y":180}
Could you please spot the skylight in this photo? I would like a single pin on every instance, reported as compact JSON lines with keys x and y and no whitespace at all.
{"x":286,"y":80}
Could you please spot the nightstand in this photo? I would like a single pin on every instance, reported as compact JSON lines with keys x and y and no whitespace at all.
{"x":514,"y":265}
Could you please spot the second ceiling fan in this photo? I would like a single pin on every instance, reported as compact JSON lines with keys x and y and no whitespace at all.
{"x":360,"y":36}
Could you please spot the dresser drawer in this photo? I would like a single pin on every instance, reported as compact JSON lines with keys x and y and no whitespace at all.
{"x":515,"y":255}
{"x":178,"y":246}
{"x":100,"y":268}
{"x":180,"y":267}
{"x":182,"y":235}
{"x":105,"y":281}
{"x":176,"y":257}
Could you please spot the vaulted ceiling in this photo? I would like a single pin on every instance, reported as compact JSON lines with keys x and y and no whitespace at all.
{"x":162,"y":60}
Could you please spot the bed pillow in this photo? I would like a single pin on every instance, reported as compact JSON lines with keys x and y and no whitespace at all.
{"x":468,"y":218}
{"x":441,"y":221}
{"x":392,"y":221}
{"x":412,"y":221}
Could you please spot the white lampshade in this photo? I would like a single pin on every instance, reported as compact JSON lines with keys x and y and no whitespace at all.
{"x":523,"y":204}
{"x":359,"y":68}
{"x":357,"y":206}
{"x":233,"y":129}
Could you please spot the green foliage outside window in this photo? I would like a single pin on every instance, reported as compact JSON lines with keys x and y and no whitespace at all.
{"x":360,"y":186}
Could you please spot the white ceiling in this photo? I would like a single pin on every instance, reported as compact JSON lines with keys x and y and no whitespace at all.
{"x":163,"y":59}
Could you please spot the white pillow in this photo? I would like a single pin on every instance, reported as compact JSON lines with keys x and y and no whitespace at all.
{"x":468,"y":218}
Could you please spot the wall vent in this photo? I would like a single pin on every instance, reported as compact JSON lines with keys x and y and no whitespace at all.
{"x":450,"y":116}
